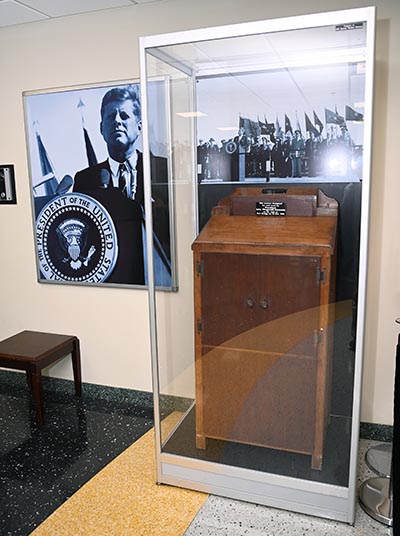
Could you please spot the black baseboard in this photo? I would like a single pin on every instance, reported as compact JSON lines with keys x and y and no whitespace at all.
{"x":373,"y":431}
{"x":13,"y":380}
{"x":378,"y":432}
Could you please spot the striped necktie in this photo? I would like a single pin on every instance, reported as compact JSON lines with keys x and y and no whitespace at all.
{"x":123,"y":178}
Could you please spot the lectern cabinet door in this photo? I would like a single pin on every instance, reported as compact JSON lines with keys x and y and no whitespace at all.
{"x":240,"y":292}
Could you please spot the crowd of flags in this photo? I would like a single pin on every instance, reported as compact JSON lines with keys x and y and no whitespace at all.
{"x":259,"y":128}
{"x":50,"y":181}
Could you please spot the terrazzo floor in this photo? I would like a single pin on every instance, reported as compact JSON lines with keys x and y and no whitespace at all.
{"x":226,"y":517}
{"x":124,"y":499}
{"x":88,"y":467}
{"x":41,"y":467}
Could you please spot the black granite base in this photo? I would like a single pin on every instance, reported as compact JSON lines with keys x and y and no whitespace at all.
{"x":336,"y":451}
{"x":336,"y":460}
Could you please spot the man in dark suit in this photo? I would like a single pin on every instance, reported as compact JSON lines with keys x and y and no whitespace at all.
{"x":117,"y":183}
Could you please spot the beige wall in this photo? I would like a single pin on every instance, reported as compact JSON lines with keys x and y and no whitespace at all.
{"x":103,"y":47}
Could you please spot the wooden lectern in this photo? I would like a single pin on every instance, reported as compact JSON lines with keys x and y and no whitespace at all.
{"x":264,"y":272}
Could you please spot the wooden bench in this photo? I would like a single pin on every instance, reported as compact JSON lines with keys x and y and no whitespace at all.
{"x":32,"y":351}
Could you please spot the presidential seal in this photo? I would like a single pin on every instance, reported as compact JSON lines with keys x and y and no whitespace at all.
{"x":231,"y":147}
{"x":76,"y":240}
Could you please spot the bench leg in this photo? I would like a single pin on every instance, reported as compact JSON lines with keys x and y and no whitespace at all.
{"x":76,"y":366}
{"x":29,"y":379}
{"x":36,"y":379}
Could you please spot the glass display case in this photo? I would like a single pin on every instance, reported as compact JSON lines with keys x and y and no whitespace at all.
{"x":257,"y":357}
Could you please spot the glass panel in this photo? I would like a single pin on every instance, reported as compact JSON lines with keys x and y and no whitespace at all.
{"x":261,"y":333}
{"x":174,"y":310}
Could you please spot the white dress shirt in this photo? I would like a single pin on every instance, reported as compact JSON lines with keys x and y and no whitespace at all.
{"x":132,"y":181}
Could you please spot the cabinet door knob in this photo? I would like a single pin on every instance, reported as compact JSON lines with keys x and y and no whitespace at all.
{"x":264,"y":303}
{"x":250,"y":303}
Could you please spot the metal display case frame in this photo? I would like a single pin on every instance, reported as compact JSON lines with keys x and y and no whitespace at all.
{"x":277,"y":490}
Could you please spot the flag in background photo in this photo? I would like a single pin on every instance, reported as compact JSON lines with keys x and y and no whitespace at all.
{"x":288,"y":125}
{"x":318,"y":123}
{"x":49,"y":180}
{"x":266,"y":128}
{"x":352,"y":115}
{"x":90,"y":154}
{"x":270,"y":126}
{"x":278,"y":128}
{"x":310,"y":127}
{"x":333,"y":117}
{"x":251,"y":128}
{"x":340,"y":118}
{"x":263,"y":127}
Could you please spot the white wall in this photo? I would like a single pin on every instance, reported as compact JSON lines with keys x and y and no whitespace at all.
{"x":103,"y":46}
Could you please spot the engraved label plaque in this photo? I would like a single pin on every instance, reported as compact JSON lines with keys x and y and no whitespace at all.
{"x":270,"y":208}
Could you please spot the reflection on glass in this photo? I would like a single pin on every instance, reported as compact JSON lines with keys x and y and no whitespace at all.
{"x":256,"y":350}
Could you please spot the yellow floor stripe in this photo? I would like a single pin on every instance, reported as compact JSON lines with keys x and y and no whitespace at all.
{"x":123,"y":499}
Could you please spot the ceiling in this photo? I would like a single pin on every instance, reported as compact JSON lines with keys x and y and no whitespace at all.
{"x":22,"y":11}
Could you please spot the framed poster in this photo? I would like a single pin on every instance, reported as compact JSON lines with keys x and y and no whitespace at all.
{"x":86,"y":173}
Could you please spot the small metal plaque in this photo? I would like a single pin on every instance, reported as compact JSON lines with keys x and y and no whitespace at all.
{"x":349,"y":26}
{"x":7,"y":185}
{"x":270,"y":208}
{"x":274,"y":191}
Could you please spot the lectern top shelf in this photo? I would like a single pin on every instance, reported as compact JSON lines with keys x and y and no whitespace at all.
{"x":303,"y":232}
